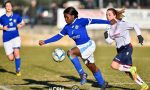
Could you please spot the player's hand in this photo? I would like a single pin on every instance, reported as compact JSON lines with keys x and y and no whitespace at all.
{"x":5,"y":27}
{"x":19,"y":26}
{"x":113,"y":21}
{"x":141,"y":39}
{"x":106,"y":34}
{"x":41,"y":42}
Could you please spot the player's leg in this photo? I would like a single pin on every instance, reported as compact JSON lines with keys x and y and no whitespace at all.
{"x":96,"y":73}
{"x":139,"y":81}
{"x":73,"y":56}
{"x":11,"y":57}
{"x":16,"y":47}
{"x":17,"y":60}
{"x":123,"y":62}
{"x":117,"y":66}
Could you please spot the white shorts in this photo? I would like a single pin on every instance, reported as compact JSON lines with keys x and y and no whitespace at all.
{"x":10,"y":45}
{"x":87,"y":51}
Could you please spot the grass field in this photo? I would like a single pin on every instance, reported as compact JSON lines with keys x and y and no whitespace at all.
{"x":39,"y":71}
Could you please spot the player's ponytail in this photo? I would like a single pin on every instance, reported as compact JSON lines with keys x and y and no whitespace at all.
{"x":71,"y":11}
{"x":118,"y":13}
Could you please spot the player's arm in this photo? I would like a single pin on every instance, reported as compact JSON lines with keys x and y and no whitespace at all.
{"x":21,"y":25}
{"x":52,"y":39}
{"x":3,"y":28}
{"x":20,"y":22}
{"x":137,"y":30}
{"x":98,"y":21}
{"x":87,"y":21}
{"x":107,"y":37}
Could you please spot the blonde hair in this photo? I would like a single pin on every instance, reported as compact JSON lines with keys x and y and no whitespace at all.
{"x":118,"y":13}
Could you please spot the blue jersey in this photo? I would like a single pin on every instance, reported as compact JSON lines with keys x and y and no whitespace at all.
{"x":11,"y":22}
{"x":77,"y":30}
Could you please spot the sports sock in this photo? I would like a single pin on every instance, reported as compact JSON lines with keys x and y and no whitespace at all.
{"x":77,"y":65}
{"x":99,"y":78}
{"x":17,"y":63}
{"x":139,"y":80}
{"x":124,"y":68}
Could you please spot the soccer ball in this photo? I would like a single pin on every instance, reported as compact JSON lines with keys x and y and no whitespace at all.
{"x":58,"y":54}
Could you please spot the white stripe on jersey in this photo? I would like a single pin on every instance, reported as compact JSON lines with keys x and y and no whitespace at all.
{"x":61,"y":34}
{"x":90,"y":20}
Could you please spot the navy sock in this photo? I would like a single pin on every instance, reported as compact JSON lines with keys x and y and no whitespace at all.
{"x":77,"y":65}
{"x":99,"y":78}
{"x":17,"y":63}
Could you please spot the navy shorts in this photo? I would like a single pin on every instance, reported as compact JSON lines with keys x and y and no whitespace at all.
{"x":124,"y":55}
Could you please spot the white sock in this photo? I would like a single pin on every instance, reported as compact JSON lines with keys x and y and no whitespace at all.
{"x":124,"y":68}
{"x":139,"y":80}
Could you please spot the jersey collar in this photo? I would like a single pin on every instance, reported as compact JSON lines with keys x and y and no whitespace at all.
{"x":10,"y":15}
{"x":74,"y":21}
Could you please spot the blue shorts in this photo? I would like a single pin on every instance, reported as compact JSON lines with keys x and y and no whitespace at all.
{"x":124,"y":55}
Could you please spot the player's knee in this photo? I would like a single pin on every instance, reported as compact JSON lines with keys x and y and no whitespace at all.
{"x":11,"y":58}
{"x":17,"y":55}
{"x":113,"y":66}
{"x":92,"y":67}
{"x":70,"y":54}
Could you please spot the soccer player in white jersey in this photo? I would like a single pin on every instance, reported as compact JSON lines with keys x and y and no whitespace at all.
{"x":76,"y":30}
{"x":119,"y":32}
{"x":10,"y":23}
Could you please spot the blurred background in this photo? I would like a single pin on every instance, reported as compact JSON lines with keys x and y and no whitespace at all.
{"x":44,"y":18}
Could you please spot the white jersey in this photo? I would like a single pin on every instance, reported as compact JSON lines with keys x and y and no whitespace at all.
{"x":119,"y":33}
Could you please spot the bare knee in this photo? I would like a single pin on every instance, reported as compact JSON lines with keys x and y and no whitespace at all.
{"x":17,"y":53}
{"x":93,"y":68}
{"x":11,"y":57}
{"x":115,"y":65}
{"x":70,"y":54}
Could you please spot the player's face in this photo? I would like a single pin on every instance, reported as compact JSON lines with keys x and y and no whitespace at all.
{"x":68,"y":18}
{"x":110,"y":15}
{"x":8,"y":7}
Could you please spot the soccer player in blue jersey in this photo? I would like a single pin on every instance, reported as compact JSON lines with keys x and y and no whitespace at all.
{"x":10,"y":23}
{"x":76,"y":29}
{"x":119,"y":32}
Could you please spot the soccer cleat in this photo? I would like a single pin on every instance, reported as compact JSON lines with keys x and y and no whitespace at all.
{"x":83,"y":78}
{"x":18,"y":73}
{"x":133,"y":72}
{"x":144,"y":86}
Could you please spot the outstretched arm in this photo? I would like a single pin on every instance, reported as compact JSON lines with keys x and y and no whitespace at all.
{"x":87,"y":21}
{"x":98,"y":21}
{"x":52,"y":39}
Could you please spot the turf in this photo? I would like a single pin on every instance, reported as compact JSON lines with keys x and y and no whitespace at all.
{"x":40,"y":71}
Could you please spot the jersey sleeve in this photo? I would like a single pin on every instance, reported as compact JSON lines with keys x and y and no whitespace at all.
{"x":0,"y":22}
{"x":63,"y":32}
{"x":53,"y":39}
{"x":57,"y":37}
{"x":133,"y":26}
{"x":19,"y":19}
{"x":87,"y":21}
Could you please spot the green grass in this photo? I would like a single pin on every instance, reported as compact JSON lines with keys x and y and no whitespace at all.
{"x":39,"y":71}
